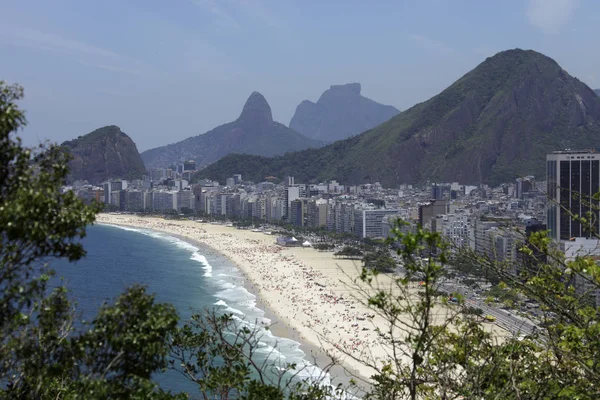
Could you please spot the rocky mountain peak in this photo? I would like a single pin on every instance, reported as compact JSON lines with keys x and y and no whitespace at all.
{"x":349,"y":87}
{"x":340,"y":112}
{"x":256,"y":110}
{"x":103,"y":154}
{"x":494,"y":124}
{"x":254,"y":132}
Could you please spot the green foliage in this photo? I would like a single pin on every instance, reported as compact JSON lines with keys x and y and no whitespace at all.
{"x":105,"y":153}
{"x":220,"y":356}
{"x":349,"y":252}
{"x":379,"y":261}
{"x":323,"y":246}
{"x":37,"y":222}
{"x":47,"y":353}
{"x":456,"y":356}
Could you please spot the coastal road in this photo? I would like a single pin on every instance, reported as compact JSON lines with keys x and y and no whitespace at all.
{"x":504,"y":318}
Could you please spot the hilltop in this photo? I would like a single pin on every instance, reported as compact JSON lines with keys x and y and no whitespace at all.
{"x":103,"y":154}
{"x":254,"y":132}
{"x":339,"y":113}
{"x":495,"y":123}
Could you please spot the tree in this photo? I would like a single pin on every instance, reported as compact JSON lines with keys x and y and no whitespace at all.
{"x":42,"y":354}
{"x":433,"y":357}
{"x":324,"y":246}
{"x":349,"y":252}
{"x":380,"y":261}
{"x":45,"y":351}
{"x":219,"y":354}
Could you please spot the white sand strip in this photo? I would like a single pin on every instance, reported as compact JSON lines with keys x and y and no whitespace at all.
{"x":309,"y":290}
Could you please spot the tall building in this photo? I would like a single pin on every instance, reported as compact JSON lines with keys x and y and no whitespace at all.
{"x":107,"y":191}
{"x":317,"y":213}
{"x":135,"y":200}
{"x":456,"y":228}
{"x":524,"y":185}
{"x":572,"y":178}
{"x":291,"y":193}
{"x":288,"y":181}
{"x":189,"y":165}
{"x":370,"y":223}
{"x":429,"y":211}
{"x":296,"y":212}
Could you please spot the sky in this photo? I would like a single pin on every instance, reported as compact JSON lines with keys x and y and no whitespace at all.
{"x":165,"y":70}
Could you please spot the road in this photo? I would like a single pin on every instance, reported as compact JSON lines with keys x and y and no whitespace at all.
{"x":504,"y":318}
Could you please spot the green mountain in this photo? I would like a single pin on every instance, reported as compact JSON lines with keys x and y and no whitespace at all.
{"x":103,"y":154}
{"x":492,"y":125}
{"x":339,"y":113}
{"x":254,"y":132}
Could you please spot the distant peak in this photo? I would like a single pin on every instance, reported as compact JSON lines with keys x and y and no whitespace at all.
{"x":519,"y":55}
{"x":352,"y":87}
{"x":256,"y":109}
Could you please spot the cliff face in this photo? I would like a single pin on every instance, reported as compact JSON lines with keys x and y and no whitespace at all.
{"x":339,"y":113}
{"x":104,"y":154}
{"x":254,"y":132}
{"x":492,"y":125}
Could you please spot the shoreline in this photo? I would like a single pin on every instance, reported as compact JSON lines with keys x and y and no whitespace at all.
{"x":280,"y":326}
{"x":310,"y":292}
{"x":314,"y":298}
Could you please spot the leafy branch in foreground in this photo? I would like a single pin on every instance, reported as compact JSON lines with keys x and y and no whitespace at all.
{"x":45,"y":351}
{"x":224,"y":357}
{"x":440,"y":349}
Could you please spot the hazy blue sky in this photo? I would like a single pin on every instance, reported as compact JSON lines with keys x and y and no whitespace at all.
{"x":164,"y":70}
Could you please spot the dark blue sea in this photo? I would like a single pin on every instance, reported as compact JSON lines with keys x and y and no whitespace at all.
{"x":188,"y":276}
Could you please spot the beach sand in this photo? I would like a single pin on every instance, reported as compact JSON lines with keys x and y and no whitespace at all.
{"x":313,"y":294}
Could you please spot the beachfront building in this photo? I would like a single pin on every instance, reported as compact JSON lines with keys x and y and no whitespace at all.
{"x":297,"y":212}
{"x":186,"y":199}
{"x":317,"y":213}
{"x":369,"y":222}
{"x":291,"y":193}
{"x":164,"y":200}
{"x":456,"y":228}
{"x":134,"y":200}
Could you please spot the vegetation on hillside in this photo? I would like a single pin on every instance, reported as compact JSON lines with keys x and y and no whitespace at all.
{"x":254,"y":132}
{"x":492,"y":125}
{"x":47,"y":353}
{"x":106,"y":153}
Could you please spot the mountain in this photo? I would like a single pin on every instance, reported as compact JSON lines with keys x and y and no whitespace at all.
{"x":339,"y":113}
{"x":492,"y":125}
{"x":102,"y":154}
{"x":597,"y":92}
{"x":254,"y":132}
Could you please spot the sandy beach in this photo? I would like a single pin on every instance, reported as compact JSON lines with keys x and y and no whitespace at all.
{"x":313,"y":293}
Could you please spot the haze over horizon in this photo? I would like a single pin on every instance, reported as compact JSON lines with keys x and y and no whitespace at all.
{"x":167,"y":71}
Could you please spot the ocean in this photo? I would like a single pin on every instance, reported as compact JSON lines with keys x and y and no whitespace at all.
{"x":191,"y":277}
